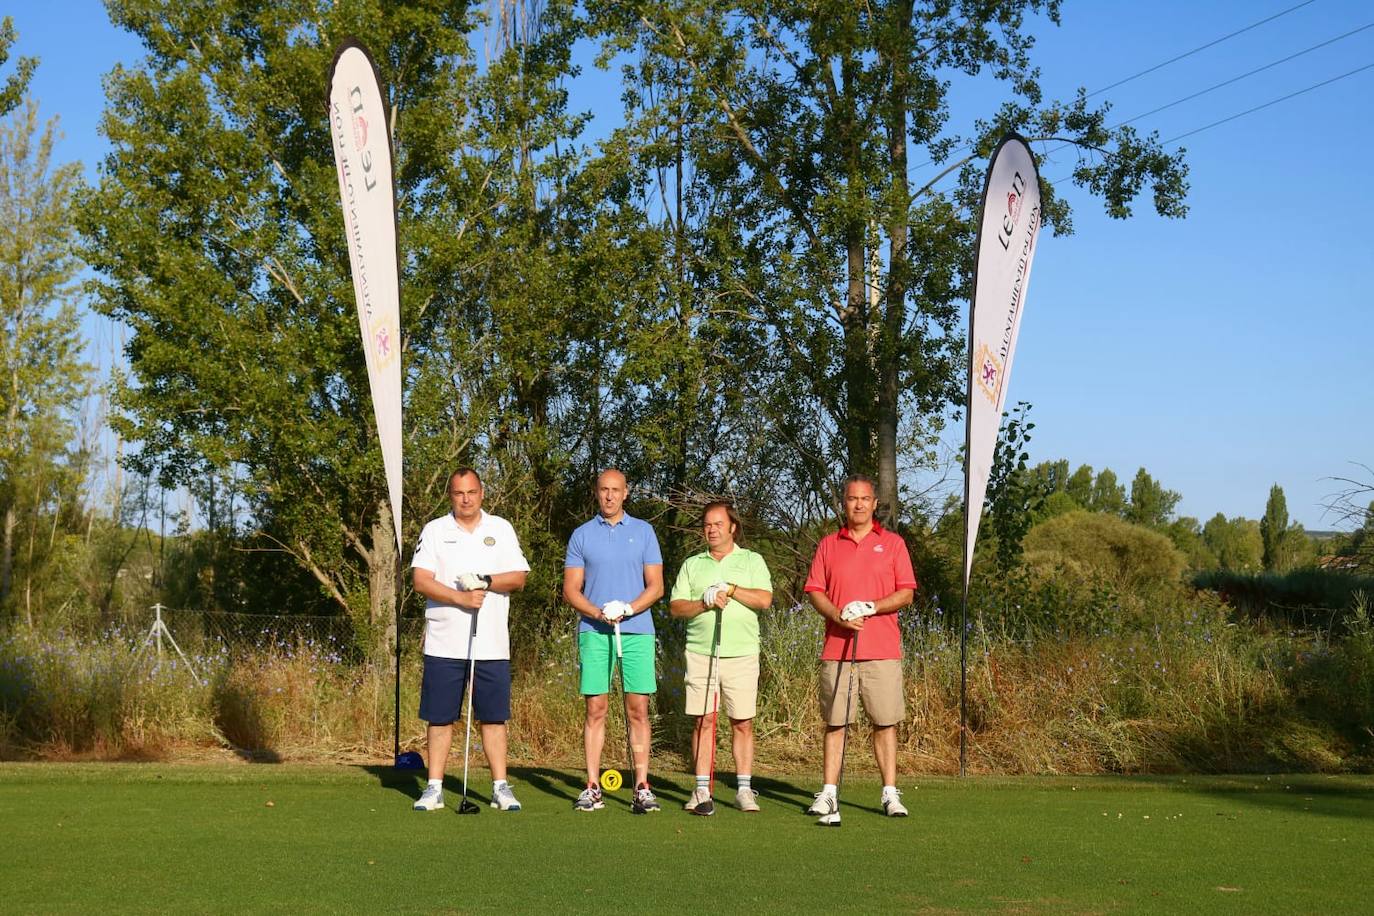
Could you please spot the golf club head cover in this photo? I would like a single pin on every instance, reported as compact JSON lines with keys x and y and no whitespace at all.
{"x":856,"y":609}
{"x":471,"y":582}
{"x":616,"y":610}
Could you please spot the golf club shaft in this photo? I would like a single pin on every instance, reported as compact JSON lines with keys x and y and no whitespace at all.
{"x":713,"y":670}
{"x":848,"y":706}
{"x":625,"y":707}
{"x":472,"y":683}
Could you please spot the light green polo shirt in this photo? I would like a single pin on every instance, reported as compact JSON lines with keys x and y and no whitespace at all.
{"x":739,"y":626}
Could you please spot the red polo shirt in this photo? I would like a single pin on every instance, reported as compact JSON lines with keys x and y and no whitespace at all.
{"x":868,"y":570}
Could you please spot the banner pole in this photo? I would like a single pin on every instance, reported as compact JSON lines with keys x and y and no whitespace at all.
{"x":963,"y":685}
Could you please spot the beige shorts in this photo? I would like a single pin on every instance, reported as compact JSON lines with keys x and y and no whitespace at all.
{"x":737,"y":678}
{"x":877,"y":682}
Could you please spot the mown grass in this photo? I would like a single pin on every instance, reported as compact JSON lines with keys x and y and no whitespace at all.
{"x":1185,"y":689}
{"x":260,"y":838}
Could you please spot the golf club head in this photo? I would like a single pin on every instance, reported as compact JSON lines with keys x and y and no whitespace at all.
{"x":829,"y":820}
{"x":637,"y":808}
{"x":469,"y":807}
{"x":705,"y":809}
{"x":410,"y":760}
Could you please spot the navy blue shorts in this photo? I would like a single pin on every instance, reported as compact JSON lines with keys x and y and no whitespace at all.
{"x":445,"y":679}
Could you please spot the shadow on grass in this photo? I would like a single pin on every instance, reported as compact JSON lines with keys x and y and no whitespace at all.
{"x":563,"y":784}
{"x":241,"y":720}
{"x":411,"y":783}
{"x":1329,"y":796}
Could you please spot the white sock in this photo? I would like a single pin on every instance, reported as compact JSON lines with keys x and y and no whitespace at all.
{"x":436,"y":783}
{"x":828,"y":789}
{"x":498,"y":783}
{"x":888,"y":790}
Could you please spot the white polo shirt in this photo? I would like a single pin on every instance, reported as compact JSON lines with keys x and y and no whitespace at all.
{"x":448,"y":550}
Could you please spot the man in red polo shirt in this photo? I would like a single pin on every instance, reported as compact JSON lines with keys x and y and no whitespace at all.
{"x":860,"y":578}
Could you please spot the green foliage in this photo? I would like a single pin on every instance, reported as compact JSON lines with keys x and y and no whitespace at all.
{"x":1273,"y":527}
{"x":1151,"y":504}
{"x":1086,"y":544}
{"x":1108,"y":497}
{"x":42,"y":470}
{"x":16,"y":83}
{"x":1013,"y":495}
{"x":1235,"y":542}
{"x":1309,"y":598}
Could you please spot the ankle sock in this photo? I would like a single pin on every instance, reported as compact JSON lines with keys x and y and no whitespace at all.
{"x":436,"y":783}
{"x":703,"y":782}
{"x":829,"y":788}
{"x":744,"y":781}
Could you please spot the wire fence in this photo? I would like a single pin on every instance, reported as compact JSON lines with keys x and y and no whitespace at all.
{"x":200,"y":631}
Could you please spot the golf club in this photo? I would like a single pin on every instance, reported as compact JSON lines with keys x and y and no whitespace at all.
{"x":625,"y":708}
{"x":708,"y":807}
{"x":466,"y":806}
{"x":833,"y":819}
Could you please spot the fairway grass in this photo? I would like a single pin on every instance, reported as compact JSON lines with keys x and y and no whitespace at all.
{"x":291,"y":839}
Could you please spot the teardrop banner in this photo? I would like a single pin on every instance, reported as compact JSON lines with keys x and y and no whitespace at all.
{"x":362,"y":153}
{"x":1008,"y":231}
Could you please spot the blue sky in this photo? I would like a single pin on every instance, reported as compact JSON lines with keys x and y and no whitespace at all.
{"x":1224,"y":352}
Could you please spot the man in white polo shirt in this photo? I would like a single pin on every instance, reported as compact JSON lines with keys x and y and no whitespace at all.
{"x":466,"y":564}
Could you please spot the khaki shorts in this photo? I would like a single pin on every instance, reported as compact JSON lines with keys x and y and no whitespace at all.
{"x":878,"y":682}
{"x":737,"y":678}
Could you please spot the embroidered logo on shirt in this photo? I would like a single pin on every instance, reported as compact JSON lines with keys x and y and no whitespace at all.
{"x":489,"y":541}
{"x":877,"y":548}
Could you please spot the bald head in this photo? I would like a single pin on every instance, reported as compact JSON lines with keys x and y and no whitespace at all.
{"x":611,"y":490}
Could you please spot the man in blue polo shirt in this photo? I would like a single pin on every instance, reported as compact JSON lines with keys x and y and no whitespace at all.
{"x":614,"y":572}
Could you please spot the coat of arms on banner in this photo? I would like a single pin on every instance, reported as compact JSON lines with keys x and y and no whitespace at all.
{"x":384,"y":342}
{"x":987,"y":372}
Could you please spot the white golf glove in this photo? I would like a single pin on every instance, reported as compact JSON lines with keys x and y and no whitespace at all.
{"x":856,"y":609}
{"x":471,"y":582}
{"x":708,"y":597}
{"x":614,"y":611}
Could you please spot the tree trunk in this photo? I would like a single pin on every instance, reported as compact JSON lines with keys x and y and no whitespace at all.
{"x":6,"y":553}
{"x":894,"y":316}
{"x":858,"y":356}
{"x":381,"y":586}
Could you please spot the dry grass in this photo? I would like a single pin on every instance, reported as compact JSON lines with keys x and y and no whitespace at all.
{"x":1194,"y":692}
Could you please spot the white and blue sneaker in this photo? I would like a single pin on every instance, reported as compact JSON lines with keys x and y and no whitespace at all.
{"x":589,"y":800}
{"x":892,"y":803}
{"x":503,"y":798}
{"x":431,"y":800}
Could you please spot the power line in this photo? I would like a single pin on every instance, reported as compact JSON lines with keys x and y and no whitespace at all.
{"x":1284,"y":98}
{"x":1213,"y":43}
{"x":1236,"y":79}
{"x":1176,"y":59}
{"x":1224,"y":83}
{"x":1248,"y":111}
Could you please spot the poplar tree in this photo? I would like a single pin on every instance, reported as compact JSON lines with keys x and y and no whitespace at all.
{"x":42,"y":376}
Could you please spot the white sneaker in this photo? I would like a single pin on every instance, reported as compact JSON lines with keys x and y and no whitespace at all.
{"x":892,"y":803}
{"x":747,"y":800}
{"x":697,"y":797}
{"x":824,"y":804}
{"x":504,"y":799}
{"x":431,"y":800}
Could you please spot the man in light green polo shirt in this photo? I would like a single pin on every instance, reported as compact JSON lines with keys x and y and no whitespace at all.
{"x":729,"y":584}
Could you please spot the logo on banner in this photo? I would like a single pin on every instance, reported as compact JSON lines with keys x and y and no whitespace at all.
{"x":1014,"y":197}
{"x":987,"y":372}
{"x":383,"y":345}
{"x":359,"y":131}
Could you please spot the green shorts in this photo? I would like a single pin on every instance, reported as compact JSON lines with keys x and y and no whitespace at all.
{"x":596,"y":652}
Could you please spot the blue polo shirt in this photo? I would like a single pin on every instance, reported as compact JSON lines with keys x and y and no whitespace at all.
{"x":613,"y":558}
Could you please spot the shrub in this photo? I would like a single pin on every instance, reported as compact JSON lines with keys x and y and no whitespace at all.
{"x":1308,"y":598}
{"x":1085,"y":545}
